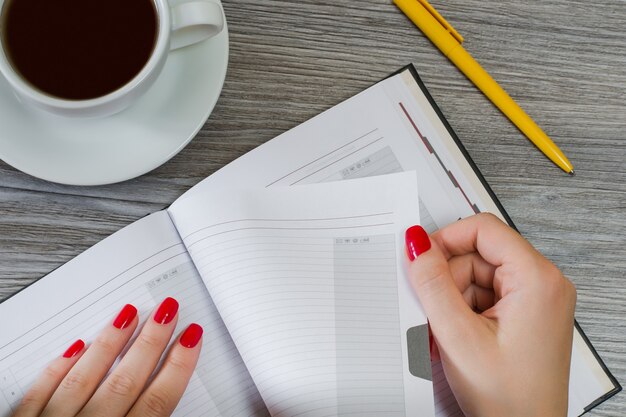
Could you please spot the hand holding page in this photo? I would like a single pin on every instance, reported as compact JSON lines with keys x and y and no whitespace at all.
{"x":391,"y":127}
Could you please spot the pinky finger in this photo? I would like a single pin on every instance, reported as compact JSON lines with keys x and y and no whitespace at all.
{"x":167,"y":388}
{"x":37,"y":397}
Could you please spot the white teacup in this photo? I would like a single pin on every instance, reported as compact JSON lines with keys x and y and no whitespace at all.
{"x":178,"y":26}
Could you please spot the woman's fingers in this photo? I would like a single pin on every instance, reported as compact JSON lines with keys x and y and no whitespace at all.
{"x":451,"y":320}
{"x":162,"y":396}
{"x":82,"y":380}
{"x":122,"y":387}
{"x":36,"y":398}
{"x":67,"y":386}
{"x":478,"y":298}
{"x":484,"y":233}
{"x":474,"y":277}
{"x":471,"y":269}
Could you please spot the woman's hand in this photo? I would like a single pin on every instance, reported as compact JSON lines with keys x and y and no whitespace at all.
{"x":73,"y":385}
{"x":501,"y":314}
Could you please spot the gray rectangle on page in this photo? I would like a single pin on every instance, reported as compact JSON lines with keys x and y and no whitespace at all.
{"x":419,"y":356}
{"x":370,"y":380}
{"x":380,"y":162}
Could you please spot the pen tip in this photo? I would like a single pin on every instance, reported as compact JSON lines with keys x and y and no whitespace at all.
{"x":571,"y":172}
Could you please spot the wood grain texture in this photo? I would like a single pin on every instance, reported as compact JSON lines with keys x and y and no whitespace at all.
{"x":564,"y":61}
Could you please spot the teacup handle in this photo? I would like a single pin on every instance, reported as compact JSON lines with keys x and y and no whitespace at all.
{"x":195,"y":21}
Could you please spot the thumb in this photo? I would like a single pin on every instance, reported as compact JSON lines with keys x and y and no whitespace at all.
{"x":449,"y":315}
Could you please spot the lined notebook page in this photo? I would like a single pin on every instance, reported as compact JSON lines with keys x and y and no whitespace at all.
{"x":141,"y":264}
{"x":310,"y":282}
{"x":445,"y":403}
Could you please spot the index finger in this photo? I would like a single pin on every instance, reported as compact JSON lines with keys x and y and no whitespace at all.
{"x":484,"y":233}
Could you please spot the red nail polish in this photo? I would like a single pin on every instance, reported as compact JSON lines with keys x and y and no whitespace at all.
{"x":75,"y":349}
{"x":126,"y":316}
{"x":417,"y":241}
{"x":191,"y":336}
{"x":166,"y":311}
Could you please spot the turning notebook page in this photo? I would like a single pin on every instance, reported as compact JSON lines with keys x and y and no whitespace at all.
{"x":393,"y":126}
{"x":311,"y":284}
{"x":141,"y":264}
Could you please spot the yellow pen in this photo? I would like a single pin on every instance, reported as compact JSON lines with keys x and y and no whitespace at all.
{"x":443,"y":35}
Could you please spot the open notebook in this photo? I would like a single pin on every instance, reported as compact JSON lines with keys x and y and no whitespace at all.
{"x":301,"y":290}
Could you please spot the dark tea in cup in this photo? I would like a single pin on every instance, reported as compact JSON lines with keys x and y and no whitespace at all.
{"x":78,"y":49}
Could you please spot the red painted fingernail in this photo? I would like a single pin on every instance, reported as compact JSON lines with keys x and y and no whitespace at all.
{"x":126,"y":316}
{"x":191,"y":336}
{"x":73,"y":350}
{"x":417,"y":241}
{"x":166,"y":311}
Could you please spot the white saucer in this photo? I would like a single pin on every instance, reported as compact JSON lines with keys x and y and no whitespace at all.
{"x":120,"y":147}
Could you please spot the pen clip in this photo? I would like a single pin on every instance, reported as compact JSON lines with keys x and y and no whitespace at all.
{"x":441,"y":20}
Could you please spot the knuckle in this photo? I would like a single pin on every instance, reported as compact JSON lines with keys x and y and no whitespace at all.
{"x":75,"y":381}
{"x":179,"y":364}
{"x":32,"y":399}
{"x":156,"y":403}
{"x":121,"y":384}
{"x":53,"y":372}
{"x":556,"y":291}
{"x":149,"y":342}
{"x":486,"y":217}
{"x":106,"y":345}
{"x":430,"y":279}
{"x":552,"y":275}
{"x":437,"y":272}
{"x":540,"y":267}
{"x":556,"y":286}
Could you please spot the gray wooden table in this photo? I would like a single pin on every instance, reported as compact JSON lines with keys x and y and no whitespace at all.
{"x":564,"y":61}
